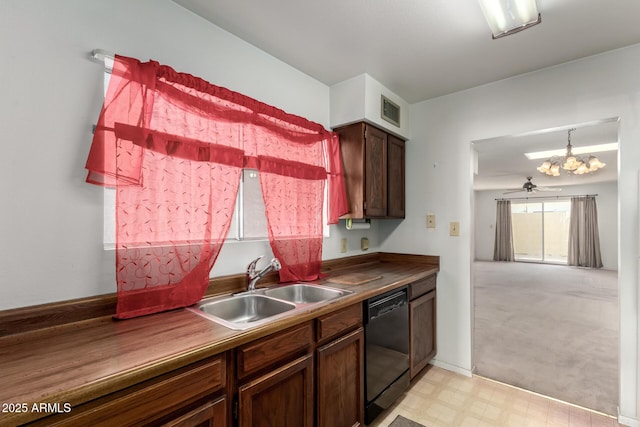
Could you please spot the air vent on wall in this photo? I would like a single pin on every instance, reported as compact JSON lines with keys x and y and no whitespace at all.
{"x":390,"y":111}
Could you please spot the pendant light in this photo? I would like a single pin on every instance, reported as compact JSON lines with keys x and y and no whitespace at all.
{"x":573,"y":164}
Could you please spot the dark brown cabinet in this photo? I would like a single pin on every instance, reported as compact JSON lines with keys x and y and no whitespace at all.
{"x":191,"y":396}
{"x":340,"y":378}
{"x":374,"y":169}
{"x":283,"y":397}
{"x":276,"y":379}
{"x":422,"y":323}
{"x":283,"y":381}
{"x":395,"y":177}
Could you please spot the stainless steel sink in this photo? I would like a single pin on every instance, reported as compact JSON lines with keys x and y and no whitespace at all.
{"x":253,"y":308}
{"x":301,"y":293}
{"x":244,"y":311}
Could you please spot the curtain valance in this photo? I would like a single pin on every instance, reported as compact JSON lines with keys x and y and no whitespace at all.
{"x":154,"y":107}
{"x":173,"y":146}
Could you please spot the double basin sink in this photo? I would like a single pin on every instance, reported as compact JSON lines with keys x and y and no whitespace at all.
{"x":253,"y":308}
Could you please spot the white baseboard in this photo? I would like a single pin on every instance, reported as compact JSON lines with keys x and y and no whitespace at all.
{"x":628,"y":421}
{"x":452,"y":368}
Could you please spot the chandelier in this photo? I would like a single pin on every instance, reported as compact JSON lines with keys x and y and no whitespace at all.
{"x":578,"y":165}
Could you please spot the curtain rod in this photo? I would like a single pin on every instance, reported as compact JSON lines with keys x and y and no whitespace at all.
{"x":545,"y":197}
{"x":100,"y":55}
{"x":104,"y":57}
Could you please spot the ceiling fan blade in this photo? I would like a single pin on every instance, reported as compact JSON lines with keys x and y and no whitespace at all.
{"x":520,"y":190}
{"x":549,"y":189}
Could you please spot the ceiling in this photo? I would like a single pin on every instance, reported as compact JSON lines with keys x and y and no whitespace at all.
{"x":420,"y":49}
{"x":502,"y":164}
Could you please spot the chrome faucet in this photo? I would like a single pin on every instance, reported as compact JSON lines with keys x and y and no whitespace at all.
{"x":253,"y":277}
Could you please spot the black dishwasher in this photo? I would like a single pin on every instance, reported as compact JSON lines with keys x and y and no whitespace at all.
{"x":386,"y":354}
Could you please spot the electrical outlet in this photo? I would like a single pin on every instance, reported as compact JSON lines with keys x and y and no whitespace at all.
{"x":454,"y":228}
{"x":431,"y":220}
{"x":343,"y":245}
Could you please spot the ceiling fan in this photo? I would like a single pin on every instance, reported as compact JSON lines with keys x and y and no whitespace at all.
{"x":530,"y":187}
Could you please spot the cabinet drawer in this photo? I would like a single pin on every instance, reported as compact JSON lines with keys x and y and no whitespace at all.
{"x":266,"y":352}
{"x":211,"y":414}
{"x":422,"y":286}
{"x":334,"y":324}
{"x":150,"y":400}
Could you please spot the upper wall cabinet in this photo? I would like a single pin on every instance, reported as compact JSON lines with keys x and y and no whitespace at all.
{"x":373,"y":163}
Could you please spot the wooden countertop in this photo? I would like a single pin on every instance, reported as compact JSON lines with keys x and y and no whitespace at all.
{"x":82,"y":361}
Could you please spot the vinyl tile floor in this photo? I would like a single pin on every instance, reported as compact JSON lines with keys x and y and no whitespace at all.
{"x":441,"y":398}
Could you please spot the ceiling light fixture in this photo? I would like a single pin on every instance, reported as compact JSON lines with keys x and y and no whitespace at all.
{"x":570,"y":162}
{"x":507,"y":17}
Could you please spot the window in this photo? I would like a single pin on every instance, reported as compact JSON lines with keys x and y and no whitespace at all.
{"x":175,"y":146}
{"x":249,"y":222}
{"x":251,"y":225}
{"x":541,"y":231}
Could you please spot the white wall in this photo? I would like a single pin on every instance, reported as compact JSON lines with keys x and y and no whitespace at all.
{"x":439,"y":179}
{"x":359,"y":98}
{"x":51,"y":220}
{"x":607,"y":203}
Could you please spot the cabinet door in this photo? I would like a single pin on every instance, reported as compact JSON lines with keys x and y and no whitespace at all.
{"x":422,"y":330}
{"x":352,"y":149}
{"x":375,"y":167}
{"x":282,"y":398}
{"x":395,"y":179}
{"x":341,"y":381}
{"x":211,"y":414}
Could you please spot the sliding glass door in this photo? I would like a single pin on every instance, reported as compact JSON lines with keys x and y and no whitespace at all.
{"x":541,"y":231}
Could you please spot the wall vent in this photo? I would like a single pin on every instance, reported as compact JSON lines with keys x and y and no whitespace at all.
{"x":390,"y":111}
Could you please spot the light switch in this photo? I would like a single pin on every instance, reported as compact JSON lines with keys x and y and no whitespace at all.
{"x":364,"y":244}
{"x":431,"y":220}
{"x":343,"y":245}
{"x":454,"y":228}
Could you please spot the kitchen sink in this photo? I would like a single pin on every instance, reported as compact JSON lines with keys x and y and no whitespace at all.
{"x":248,"y":309}
{"x":243,"y":311}
{"x":302,"y":293}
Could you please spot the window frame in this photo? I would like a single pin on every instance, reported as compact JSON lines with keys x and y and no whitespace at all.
{"x":543,"y":258}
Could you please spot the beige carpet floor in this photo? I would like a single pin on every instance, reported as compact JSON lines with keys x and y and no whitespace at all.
{"x":550,"y":329}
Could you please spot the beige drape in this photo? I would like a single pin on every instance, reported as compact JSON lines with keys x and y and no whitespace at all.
{"x":584,"y":239}
{"x":503,"y":245}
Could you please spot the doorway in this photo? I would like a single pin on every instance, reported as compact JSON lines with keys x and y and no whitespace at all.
{"x":539,"y":325}
{"x":541,"y":230}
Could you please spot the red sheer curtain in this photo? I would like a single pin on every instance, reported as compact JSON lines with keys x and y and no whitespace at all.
{"x":174,"y":145}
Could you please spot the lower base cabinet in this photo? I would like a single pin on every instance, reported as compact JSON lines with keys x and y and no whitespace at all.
{"x":340,"y":381}
{"x":190,"y":396}
{"x":422,"y":324}
{"x":281,"y":398}
{"x":308,"y":375}
{"x":311,"y":374}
